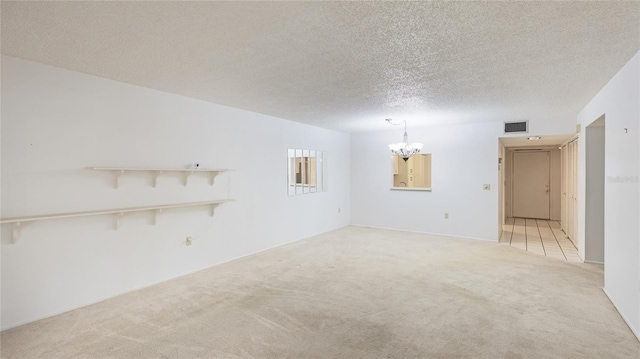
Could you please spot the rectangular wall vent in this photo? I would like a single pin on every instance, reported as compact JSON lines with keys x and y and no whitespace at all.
{"x":520,"y":126}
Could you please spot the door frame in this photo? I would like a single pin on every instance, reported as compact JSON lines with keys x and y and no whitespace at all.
{"x":506,"y":147}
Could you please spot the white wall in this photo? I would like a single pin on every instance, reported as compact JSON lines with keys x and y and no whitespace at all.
{"x":619,"y":101}
{"x":594,"y":193}
{"x":56,"y":123}
{"x":464,"y":158}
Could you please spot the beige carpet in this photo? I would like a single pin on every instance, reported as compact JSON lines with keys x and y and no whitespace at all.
{"x":352,"y":293}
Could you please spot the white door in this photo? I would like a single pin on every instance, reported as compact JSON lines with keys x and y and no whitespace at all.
{"x":531,"y":184}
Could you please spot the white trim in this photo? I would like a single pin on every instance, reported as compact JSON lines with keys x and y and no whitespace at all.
{"x":622,"y":315}
{"x":429,"y":233}
{"x":573,"y":138}
{"x":592,"y":262}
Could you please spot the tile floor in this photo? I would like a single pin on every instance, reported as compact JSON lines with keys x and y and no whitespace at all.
{"x":540,"y":236}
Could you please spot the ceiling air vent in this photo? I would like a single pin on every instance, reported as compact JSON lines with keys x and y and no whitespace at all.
{"x":520,"y":126}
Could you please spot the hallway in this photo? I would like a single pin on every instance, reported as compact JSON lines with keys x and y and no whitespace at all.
{"x":539,"y":236}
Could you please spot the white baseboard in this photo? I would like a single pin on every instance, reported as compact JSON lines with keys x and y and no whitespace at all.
{"x":622,"y":315}
{"x":429,"y":233}
{"x":593,"y":262}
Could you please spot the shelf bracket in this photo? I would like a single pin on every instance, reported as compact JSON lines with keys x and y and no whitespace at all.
{"x":213,"y":208}
{"x":118,"y":174}
{"x":155,"y":182}
{"x":155,"y":216}
{"x":213,"y":176}
{"x":186,"y":177}
{"x":118,"y":217}
{"x":15,"y":235}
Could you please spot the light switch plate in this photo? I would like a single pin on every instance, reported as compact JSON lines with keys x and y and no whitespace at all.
{"x":486,"y":187}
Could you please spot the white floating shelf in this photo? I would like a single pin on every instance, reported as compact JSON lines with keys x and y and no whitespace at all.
{"x":119,"y":171}
{"x":118,"y":212}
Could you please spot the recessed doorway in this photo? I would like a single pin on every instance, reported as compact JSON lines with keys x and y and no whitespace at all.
{"x":594,"y":191}
{"x":531,"y":190}
{"x":530,"y":184}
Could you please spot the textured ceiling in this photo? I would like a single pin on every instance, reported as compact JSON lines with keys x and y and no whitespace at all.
{"x":343,"y":65}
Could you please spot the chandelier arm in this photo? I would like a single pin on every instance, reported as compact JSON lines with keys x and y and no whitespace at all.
{"x":405,"y":149}
{"x":398,"y":124}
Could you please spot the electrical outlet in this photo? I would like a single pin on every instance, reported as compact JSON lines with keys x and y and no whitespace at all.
{"x":188,"y":242}
{"x":339,"y":210}
{"x":486,"y":187}
{"x":446,"y":216}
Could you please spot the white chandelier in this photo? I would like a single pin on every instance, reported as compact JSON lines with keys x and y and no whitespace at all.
{"x":404,"y":149}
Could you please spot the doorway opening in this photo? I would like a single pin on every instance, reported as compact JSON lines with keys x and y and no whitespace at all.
{"x":531,"y":195}
{"x":594,"y":191}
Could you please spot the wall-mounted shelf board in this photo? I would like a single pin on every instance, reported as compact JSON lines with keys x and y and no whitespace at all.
{"x":119,"y":171}
{"x":118,"y":212}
